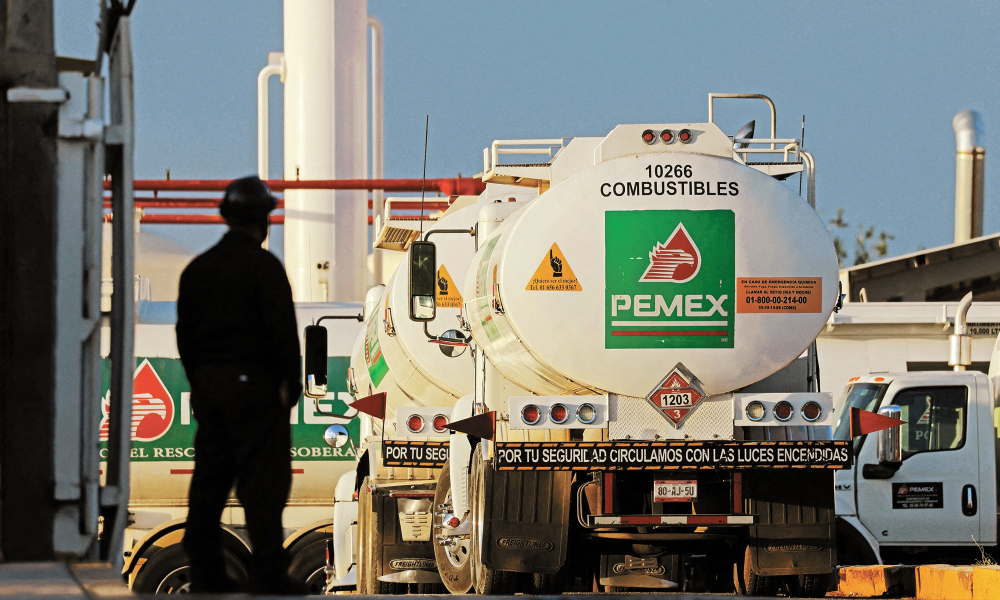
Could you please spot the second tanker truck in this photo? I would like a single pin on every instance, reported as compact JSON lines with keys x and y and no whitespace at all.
{"x":630,"y":389}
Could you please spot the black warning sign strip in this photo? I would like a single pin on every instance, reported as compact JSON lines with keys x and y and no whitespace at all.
{"x":665,"y":456}
{"x":414,"y":453}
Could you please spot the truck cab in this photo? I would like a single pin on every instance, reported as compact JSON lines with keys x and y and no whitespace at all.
{"x":937,"y":498}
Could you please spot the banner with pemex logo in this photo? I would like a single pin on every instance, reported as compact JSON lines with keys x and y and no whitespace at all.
{"x":163,"y":424}
{"x":670,"y":278}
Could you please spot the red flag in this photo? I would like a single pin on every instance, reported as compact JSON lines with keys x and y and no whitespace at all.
{"x":373,"y":405}
{"x":863,"y":421}
{"x":482,"y":426}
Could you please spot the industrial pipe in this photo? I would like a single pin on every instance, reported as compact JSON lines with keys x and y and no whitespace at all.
{"x":275,"y":66}
{"x":181,"y":202}
{"x":378,"y":137}
{"x":970,"y":162}
{"x":189,"y":219}
{"x":449,"y":186}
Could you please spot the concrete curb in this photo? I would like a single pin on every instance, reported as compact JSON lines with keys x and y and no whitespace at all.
{"x":927,"y":582}
{"x":877,"y":581}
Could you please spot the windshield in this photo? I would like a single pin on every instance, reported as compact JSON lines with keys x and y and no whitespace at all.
{"x":865,"y":396}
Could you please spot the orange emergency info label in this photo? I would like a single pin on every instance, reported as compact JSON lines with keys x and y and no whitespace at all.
{"x":779,"y":294}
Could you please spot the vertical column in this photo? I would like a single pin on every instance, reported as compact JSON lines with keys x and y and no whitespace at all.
{"x":326,"y":124}
{"x":28,"y":285}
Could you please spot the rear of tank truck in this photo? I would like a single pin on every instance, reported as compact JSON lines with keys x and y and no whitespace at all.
{"x":645,"y":407}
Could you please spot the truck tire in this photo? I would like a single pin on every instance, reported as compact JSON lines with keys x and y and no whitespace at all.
{"x":453,"y":562}
{"x":809,"y":586}
{"x":749,"y":583}
{"x":308,"y":566}
{"x":169,"y":572}
{"x":545,"y":584}
{"x":486,"y":580}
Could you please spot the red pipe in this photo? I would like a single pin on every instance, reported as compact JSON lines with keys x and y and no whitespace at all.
{"x":187,"y":219}
{"x":176,"y":202}
{"x":454,"y":186}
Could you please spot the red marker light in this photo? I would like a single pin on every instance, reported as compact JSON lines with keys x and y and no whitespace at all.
{"x":558,"y":414}
{"x":530,"y":414}
{"x":667,"y":136}
{"x":685,"y":135}
{"x":415,"y":423}
{"x":453,"y":522}
{"x":783,"y":411}
{"x":440,"y":423}
{"x":811,"y":411}
{"x":649,"y":136}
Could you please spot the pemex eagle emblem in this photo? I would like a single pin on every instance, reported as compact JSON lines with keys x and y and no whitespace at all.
{"x":677,"y":260}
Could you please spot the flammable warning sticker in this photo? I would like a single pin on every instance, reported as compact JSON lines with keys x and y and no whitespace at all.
{"x":554,"y":274}
{"x":448,"y":295}
{"x":779,"y":294}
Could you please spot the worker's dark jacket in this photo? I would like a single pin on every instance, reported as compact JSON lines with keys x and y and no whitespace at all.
{"x":237,"y":338}
{"x":235,"y":307}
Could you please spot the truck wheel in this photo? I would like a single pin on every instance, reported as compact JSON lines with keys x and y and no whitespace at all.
{"x":749,"y":583}
{"x":453,"y":561}
{"x":809,"y":586}
{"x":309,"y":566}
{"x":169,"y":572}
{"x":548,"y":585}
{"x":487,"y":581}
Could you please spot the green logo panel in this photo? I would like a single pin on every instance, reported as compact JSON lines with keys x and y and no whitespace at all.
{"x":163,"y":424}
{"x":670,"y":278}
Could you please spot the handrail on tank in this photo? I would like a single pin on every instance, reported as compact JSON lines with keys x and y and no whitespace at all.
{"x":491,"y":154}
{"x":774,"y":113}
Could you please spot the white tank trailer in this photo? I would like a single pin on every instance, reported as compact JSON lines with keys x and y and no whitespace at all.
{"x":641,"y":379}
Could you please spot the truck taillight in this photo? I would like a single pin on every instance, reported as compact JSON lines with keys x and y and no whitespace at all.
{"x":783,"y":410}
{"x":667,"y":136}
{"x":586,"y":413}
{"x":649,"y":136}
{"x":530,"y":414}
{"x":440,"y":423}
{"x":685,"y":136}
{"x":811,"y":411}
{"x":415,"y":423}
{"x":558,"y":414}
{"x":756,"y":411}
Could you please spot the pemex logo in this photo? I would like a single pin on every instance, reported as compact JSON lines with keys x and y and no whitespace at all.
{"x":152,"y":406}
{"x":677,"y":260}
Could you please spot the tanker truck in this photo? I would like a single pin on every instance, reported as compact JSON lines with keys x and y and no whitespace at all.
{"x":416,"y":378}
{"x":641,"y":403}
{"x":162,"y":459}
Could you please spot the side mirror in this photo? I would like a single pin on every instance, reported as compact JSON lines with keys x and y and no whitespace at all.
{"x":315,"y":360}
{"x":336,"y":436}
{"x":423,"y":283}
{"x":890,"y":441}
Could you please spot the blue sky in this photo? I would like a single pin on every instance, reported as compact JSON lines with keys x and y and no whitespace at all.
{"x":878,"y":83}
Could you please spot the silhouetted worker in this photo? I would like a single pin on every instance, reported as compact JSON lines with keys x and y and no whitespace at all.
{"x":238,"y":341}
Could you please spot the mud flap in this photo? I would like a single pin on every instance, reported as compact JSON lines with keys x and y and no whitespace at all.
{"x":527,"y":520}
{"x":795,"y":529}
{"x":403,"y":561}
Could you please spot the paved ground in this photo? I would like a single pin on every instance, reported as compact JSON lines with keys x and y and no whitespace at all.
{"x":97,"y":581}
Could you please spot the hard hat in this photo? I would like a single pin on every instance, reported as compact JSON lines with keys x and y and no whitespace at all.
{"x":247,"y":199}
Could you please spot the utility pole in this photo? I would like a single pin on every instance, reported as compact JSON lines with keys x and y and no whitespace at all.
{"x":28,"y":140}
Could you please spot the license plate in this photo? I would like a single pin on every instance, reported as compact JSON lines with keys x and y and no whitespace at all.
{"x":675,"y":491}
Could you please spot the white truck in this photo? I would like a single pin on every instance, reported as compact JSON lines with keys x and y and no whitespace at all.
{"x":926,"y":491}
{"x":163,"y":458}
{"x":641,"y":336}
